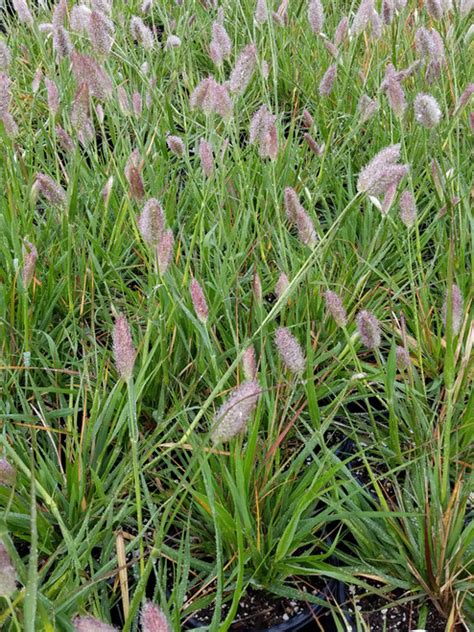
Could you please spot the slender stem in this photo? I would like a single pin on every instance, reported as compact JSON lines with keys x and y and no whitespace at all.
{"x":133,"y":431}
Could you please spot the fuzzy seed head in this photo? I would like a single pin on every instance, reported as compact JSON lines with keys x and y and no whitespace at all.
{"x":151,"y":222}
{"x":261,"y":12}
{"x":263,"y":132}
{"x":427,"y":111}
{"x":341,"y":31}
{"x":382,"y":172}
{"x":394,"y":90}
{"x":316,"y":16}
{"x":232,"y":417}
{"x":101,"y":32}
{"x":124,"y":351}
{"x":80,"y":118}
{"x":243,"y":70}
{"x":363,"y":16}
{"x":307,"y":119}
{"x":367,"y":107}
{"x":5,"y":56}
{"x":403,"y":358}
{"x":79,"y":18}
{"x":220,"y":47}
{"x":407,"y":208}
{"x":249,"y":363}
{"x":369,"y":329}
{"x":153,"y":619}
{"x":327,"y":82}
{"x":199,"y":301}
{"x":50,"y":190}
{"x":457,"y":309}
{"x":434,"y":8}
{"x":164,"y":251}
{"x":8,"y":576}
{"x":53,"y":96}
{"x":290,"y":350}
{"x":335,"y":308}
{"x":281,"y":285}
{"x":173,"y":41}
{"x":87,"y":70}
{"x":175,"y":145}
{"x":7,"y":474}
{"x":133,"y":174}
{"x":23,"y":12}
{"x":207,"y":158}
{"x":293,"y":205}
{"x":5,"y":96}
{"x":141,"y":33}
{"x":317,"y":150}
{"x":91,"y":624}
{"x":29,"y":264}
{"x":65,"y":141}
{"x":211,"y":97}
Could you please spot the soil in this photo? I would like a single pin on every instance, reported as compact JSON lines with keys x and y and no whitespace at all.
{"x":258,"y":611}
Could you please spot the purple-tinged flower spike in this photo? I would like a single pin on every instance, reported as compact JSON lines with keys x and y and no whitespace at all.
{"x":403,"y":358}
{"x":407,"y":208}
{"x":5,"y":96}
{"x":53,"y":96}
{"x":172,"y":41}
{"x":220,"y":47}
{"x":7,"y":473}
{"x":367,"y":108}
{"x":392,"y":86}
{"x":80,"y":118}
{"x":382,"y":172}
{"x":318,"y":150}
{"x":465,"y":97}
{"x":153,"y":619}
{"x":8,"y":576}
{"x":335,"y":308}
{"x":207,"y":158}
{"x":243,"y":70}
{"x":316,"y":16}
{"x":79,"y":18}
{"x":175,"y":145}
{"x":290,"y":350}
{"x":5,"y":56}
{"x":35,"y":84}
{"x":307,"y":119}
{"x":331,"y":48}
{"x":133,"y":174}
{"x":87,"y":70}
{"x":261,"y":12}
{"x":23,"y":12}
{"x":29,"y":264}
{"x":299,"y":218}
{"x":388,"y":10}
{"x":263,"y":132}
{"x":104,"y":6}
{"x":281,"y":14}
{"x":257,"y":288}
{"x":340,"y":33}
{"x":249,"y":363}
{"x":141,"y":33}
{"x":101,"y":32}
{"x":65,"y":141}
{"x":62,"y":44}
{"x":232,"y":417}
{"x":457,"y":308}
{"x":435,"y":9}
{"x":124,"y":351}
{"x":91,"y":624}
{"x":293,"y":205}
{"x":327,"y":82}
{"x":50,"y":190}
{"x":427,"y":111}
{"x":151,"y":222}
{"x":363,"y":16}
{"x":199,"y":301}
{"x":369,"y":329}
{"x":211,"y":97}
{"x":137,"y":104}
{"x":164,"y":251}
{"x":281,"y":285}
{"x":465,"y":7}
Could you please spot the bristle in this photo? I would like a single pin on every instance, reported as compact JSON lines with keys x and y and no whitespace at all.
{"x":232,"y":417}
{"x":124,"y":351}
{"x":335,"y":307}
{"x":369,"y":329}
{"x":243,"y":70}
{"x":290,"y":350}
{"x":153,"y":619}
{"x":199,"y":301}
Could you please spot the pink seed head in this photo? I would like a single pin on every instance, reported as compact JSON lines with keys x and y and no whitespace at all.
{"x":394,"y":91}
{"x":124,"y":351}
{"x":207,"y":158}
{"x":65,"y":141}
{"x":427,"y":111}
{"x":91,"y":624}
{"x":5,"y":56}
{"x":307,"y":119}
{"x":367,"y":107}
{"x":335,"y":307}
{"x":5,"y":96}
{"x":133,"y":174}
{"x":199,"y":301}
{"x":23,"y":12}
{"x":29,"y":264}
{"x":50,"y":190}
{"x":8,"y":576}
{"x":407,"y":208}
{"x":141,"y":33}
{"x":257,"y":288}
{"x":220,"y":47}
{"x":243,"y":70}
{"x":101,"y":32}
{"x":435,"y":9}
{"x":53,"y":96}
{"x":232,"y":417}
{"x":457,"y":309}
{"x":318,"y":150}
{"x":369,"y":329}
{"x":327,"y":82}
{"x":290,"y":350}
{"x":151,"y":222}
{"x":249,"y":363}
{"x":281,"y":285}
{"x":153,"y":619}
{"x":87,"y":70}
{"x":80,"y":118}
{"x":173,"y":41}
{"x":316,"y":16}
{"x":363,"y":16}
{"x":7,"y":473}
{"x":79,"y":18}
{"x":261,"y":12}
{"x":341,"y":31}
{"x":175,"y":145}
{"x":403,"y":358}
{"x":382,"y":172}
{"x":164,"y":251}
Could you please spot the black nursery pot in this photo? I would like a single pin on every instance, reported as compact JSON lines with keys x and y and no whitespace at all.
{"x":302,"y":622}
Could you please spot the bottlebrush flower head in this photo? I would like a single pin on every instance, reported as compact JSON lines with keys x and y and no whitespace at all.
{"x":367,"y":107}
{"x":199,"y":301}
{"x":363,"y":16}
{"x":8,"y":576}
{"x":87,"y":70}
{"x":465,"y":97}
{"x":137,"y":104}
{"x":29,"y":264}
{"x":133,"y":174}
{"x":107,"y":190}
{"x":298,"y":217}
{"x":290,"y":350}
{"x":233,"y":416}
{"x":104,"y":6}
{"x":369,"y":329}
{"x":211,"y":97}
{"x":53,"y":96}
{"x":62,"y":44}
{"x":316,"y":16}
{"x":340,"y":33}
{"x":173,"y":41}
{"x":335,"y":308}
{"x":457,"y":309}
{"x":318,"y":150}
{"x":281,"y":285}
{"x":175,"y":145}
{"x":50,"y":190}
{"x":407,"y":208}
{"x":257,"y":288}
{"x":327,"y":82}
{"x":23,"y":12}
{"x":153,"y":619}
{"x":91,"y":624}
{"x":79,"y":18}
{"x":403,"y":358}
{"x":394,"y":91}
{"x":65,"y":141}
{"x":220,"y":47}
{"x":80,"y":118}
{"x":307,"y":120}
{"x":261,"y":12}
{"x":141,"y":33}
{"x":101,"y":32}
{"x":7,"y":473}
{"x":243,"y":70}
{"x":164,"y":251}
{"x":123,"y":349}
{"x":435,"y":9}
{"x":5,"y":56}
{"x":151,"y":222}
{"x":263,"y":132}
{"x":382,"y":172}
{"x":207,"y":158}
{"x":427,"y":111}
{"x":35,"y":84}
{"x":249,"y":363}
{"x":388,"y":10}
